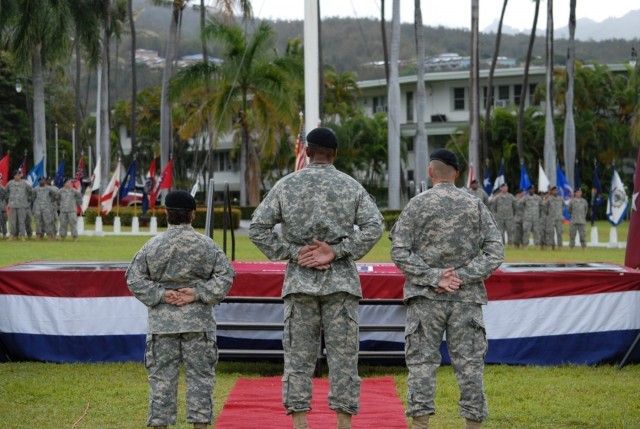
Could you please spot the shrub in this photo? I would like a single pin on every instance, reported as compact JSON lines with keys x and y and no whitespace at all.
{"x":126,"y":215}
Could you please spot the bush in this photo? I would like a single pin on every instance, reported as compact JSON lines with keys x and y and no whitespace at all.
{"x":390,"y":217}
{"x":246,"y":212}
{"x":126,"y":215}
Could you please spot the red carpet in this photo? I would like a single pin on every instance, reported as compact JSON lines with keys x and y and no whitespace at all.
{"x":257,"y":404}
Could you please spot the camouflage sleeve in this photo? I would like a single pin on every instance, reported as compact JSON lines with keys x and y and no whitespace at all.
{"x":147,"y":291}
{"x":410,"y":263}
{"x":213,"y":290}
{"x":78,"y":197}
{"x":492,"y":251}
{"x":370,"y":227}
{"x":261,"y":233}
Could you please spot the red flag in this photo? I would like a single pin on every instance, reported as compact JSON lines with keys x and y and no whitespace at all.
{"x":301,"y":151}
{"x":165,"y":182}
{"x":106,"y":201}
{"x":632,"y":255}
{"x":23,"y":167}
{"x":470,"y":178}
{"x":79,"y":174}
{"x":4,"y":170}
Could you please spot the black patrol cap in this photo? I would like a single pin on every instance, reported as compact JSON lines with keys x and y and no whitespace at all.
{"x":179,"y":200}
{"x":474,"y":181}
{"x":446,"y":156}
{"x":322,"y":137}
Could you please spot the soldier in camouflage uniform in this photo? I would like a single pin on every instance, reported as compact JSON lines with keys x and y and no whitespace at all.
{"x":44,"y":204}
{"x":318,"y":208}
{"x":19,"y":200}
{"x":477,"y":190}
{"x":578,"y":211}
{"x":503,"y":206}
{"x":446,"y":244}
{"x":531,"y":223}
{"x":518,"y":218}
{"x":3,"y":211}
{"x":555,"y":218}
{"x":179,"y":275}
{"x":70,"y":199}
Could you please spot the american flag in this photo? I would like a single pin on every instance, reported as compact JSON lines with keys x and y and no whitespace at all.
{"x":79,"y":173}
{"x":301,"y":150}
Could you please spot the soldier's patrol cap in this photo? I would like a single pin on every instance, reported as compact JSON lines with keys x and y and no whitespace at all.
{"x":474,"y":181}
{"x":552,"y":188}
{"x":179,"y":200}
{"x":18,"y":171}
{"x":322,"y":137}
{"x":445,"y":156}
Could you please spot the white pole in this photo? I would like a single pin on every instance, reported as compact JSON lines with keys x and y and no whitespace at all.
{"x":73,"y":149}
{"x":55,"y":167}
{"x":311,"y":64}
{"x":98,"y":101}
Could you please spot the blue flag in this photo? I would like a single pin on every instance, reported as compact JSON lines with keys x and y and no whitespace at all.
{"x":564,"y":189}
{"x":129,"y":182}
{"x":500,"y":179}
{"x":525,"y":182}
{"x":487,"y":181}
{"x":59,"y":179}
{"x":596,"y":194}
{"x":36,"y":173}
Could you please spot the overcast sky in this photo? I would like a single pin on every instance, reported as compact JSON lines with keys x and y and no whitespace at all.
{"x":451,"y":13}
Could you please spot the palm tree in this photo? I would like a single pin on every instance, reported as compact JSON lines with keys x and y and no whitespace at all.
{"x":134,"y":77}
{"x":525,"y":82}
{"x":385,"y":50}
{"x":549,"y":129}
{"x":492,"y":69}
{"x":393,"y":114}
{"x":569,"y":124}
{"x":248,"y":90}
{"x":421,"y":96}
{"x":474,"y":108}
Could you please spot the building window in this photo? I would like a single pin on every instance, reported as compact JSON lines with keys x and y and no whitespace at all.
{"x":503,"y":92}
{"x":379,"y":104}
{"x":517,"y":91}
{"x":409,"y":106}
{"x":459,"y":100}
{"x":222,"y":161}
{"x":409,"y":175}
{"x":410,"y":143}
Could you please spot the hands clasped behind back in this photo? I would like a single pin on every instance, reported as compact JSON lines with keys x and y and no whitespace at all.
{"x":449,"y":282}
{"x":180,"y":297}
{"x":318,"y":255}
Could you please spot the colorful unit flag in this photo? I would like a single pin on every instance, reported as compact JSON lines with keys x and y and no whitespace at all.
{"x":59,"y":179}
{"x":36,"y":173}
{"x":564,"y":190}
{"x":487,"y":180}
{"x":525,"y":182}
{"x":596,"y":194}
{"x":79,"y":174}
{"x":95,"y":184}
{"x":165,"y":182}
{"x":470,"y":178}
{"x":500,"y":179}
{"x":4,"y":170}
{"x":129,"y":182}
{"x":543,"y":180}
{"x":106,"y":200}
{"x":618,"y":203}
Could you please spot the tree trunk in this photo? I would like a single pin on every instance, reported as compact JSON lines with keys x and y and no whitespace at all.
{"x":77,"y":101}
{"x":421,"y":146}
{"x":569,"y":123}
{"x":550,"y":156}
{"x":105,"y":133}
{"x":39,"y":115}
{"x":385,"y":50}
{"x":525,"y":83}
{"x":165,"y":104}
{"x":134,"y":82}
{"x":474,"y":108}
{"x":393,"y":113}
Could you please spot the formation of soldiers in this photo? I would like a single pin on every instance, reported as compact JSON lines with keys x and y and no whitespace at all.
{"x":44,"y":203}
{"x":529,"y":217}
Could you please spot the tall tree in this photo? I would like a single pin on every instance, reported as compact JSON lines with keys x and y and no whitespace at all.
{"x":385,"y":49}
{"x":474,"y":99}
{"x":524,"y":93}
{"x":421,"y":101}
{"x":487,"y":110}
{"x":393,"y":112}
{"x":550,"y":155}
{"x":134,"y":78}
{"x":569,"y":122}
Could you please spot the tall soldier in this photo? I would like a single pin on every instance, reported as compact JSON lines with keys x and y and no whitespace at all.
{"x":503,"y":205}
{"x":577,"y":225}
{"x":319,"y":208}
{"x":19,"y":193}
{"x":70,"y":199}
{"x":179,"y":275}
{"x":518,"y":218}
{"x":446,"y":243}
{"x":44,"y":202}
{"x":555,"y":218}
{"x":477,"y":190}
{"x":531,"y":224}
{"x":3,"y":211}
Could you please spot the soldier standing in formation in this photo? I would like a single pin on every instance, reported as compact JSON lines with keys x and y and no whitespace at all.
{"x":179,"y":275}
{"x":70,"y":199}
{"x":577,"y":225}
{"x":518,"y":218}
{"x":477,"y":190}
{"x":503,"y":205}
{"x":318,"y":208}
{"x":19,"y":193}
{"x":3,"y":211}
{"x":446,"y":243}
{"x":532,"y":211}
{"x":555,"y":218}
{"x":44,"y":205}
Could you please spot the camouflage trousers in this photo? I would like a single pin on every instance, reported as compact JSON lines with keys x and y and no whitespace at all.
{"x":528,"y":227}
{"x":579,"y":229}
{"x":553,"y":231}
{"x":18,"y":218}
{"x":3,"y":222}
{"x":199,"y":353}
{"x":506,"y":226}
{"x":518,"y":236}
{"x":427,"y":321}
{"x":68,"y":220}
{"x":44,"y":222}
{"x":305,"y":316}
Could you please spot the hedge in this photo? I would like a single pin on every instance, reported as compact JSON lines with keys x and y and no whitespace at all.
{"x":126,"y":214}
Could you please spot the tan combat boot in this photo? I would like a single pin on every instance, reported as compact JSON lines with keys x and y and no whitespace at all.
{"x":421,"y":422}
{"x":300,"y":420}
{"x":159,"y":427}
{"x":200,"y":426}
{"x":344,"y":421}
{"x":473,"y":424}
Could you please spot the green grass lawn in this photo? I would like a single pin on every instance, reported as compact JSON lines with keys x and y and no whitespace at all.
{"x":103,"y":396}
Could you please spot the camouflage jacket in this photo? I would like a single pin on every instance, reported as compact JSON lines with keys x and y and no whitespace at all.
{"x":69,"y":199}
{"x":45,"y":197}
{"x":19,"y":194}
{"x":554,"y":206}
{"x":504,"y":205}
{"x":3,"y":198}
{"x":532,"y":208}
{"x":441,"y":228}
{"x":179,"y":258}
{"x":318,"y":202}
{"x":578,"y":210}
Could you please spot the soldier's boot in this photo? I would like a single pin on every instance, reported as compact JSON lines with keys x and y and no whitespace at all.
{"x":421,"y":422}
{"x":473,"y":424}
{"x":200,"y":426}
{"x":159,"y":427}
{"x":300,"y":420}
{"x":344,"y":421}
